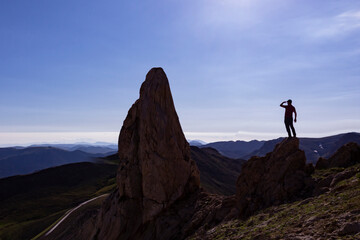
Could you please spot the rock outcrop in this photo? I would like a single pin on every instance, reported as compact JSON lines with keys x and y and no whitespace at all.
{"x":280,"y":176}
{"x":189,"y":217}
{"x":155,"y":166}
{"x":346,"y":156}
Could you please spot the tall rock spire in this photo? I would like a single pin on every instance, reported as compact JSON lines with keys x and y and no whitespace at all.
{"x":155,"y":165}
{"x":155,"y":157}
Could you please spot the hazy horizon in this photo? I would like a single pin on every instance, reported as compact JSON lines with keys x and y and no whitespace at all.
{"x":111,"y":138}
{"x":71,"y":70}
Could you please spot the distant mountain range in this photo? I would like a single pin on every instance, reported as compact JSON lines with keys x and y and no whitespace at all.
{"x":313,"y":147}
{"x":96,"y":148}
{"x":25,"y":160}
{"x":236,"y":149}
{"x":196,"y":143}
{"x":15,"y":161}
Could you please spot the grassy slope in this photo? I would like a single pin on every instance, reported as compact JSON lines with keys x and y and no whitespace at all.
{"x":62,"y":228}
{"x":31,"y":203}
{"x":319,"y":217}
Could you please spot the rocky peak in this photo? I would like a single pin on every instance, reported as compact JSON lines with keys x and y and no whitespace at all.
{"x":282,"y":175}
{"x":156,"y":88}
{"x":153,"y":149}
{"x":155,"y":166}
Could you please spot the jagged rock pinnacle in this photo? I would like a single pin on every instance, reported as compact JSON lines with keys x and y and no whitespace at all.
{"x":155,"y":165}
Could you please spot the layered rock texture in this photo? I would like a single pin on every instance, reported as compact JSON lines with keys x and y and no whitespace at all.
{"x":155,"y":165}
{"x":280,"y":176}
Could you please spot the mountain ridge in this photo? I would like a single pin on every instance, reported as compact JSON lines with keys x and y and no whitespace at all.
{"x":313,"y":147}
{"x":27,"y":160}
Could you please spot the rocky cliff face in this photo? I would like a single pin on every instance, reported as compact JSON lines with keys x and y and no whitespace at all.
{"x":280,"y":176}
{"x":155,"y":165}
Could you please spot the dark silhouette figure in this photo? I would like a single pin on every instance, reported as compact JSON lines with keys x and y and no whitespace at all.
{"x":289,"y":110}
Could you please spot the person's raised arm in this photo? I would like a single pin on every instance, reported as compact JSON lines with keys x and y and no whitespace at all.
{"x":295,"y":115}
{"x":282,"y":104}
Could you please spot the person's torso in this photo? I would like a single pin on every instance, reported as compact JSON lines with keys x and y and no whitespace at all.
{"x":288,"y":111}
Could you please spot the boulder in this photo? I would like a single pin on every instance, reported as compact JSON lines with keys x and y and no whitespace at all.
{"x":349,"y":228}
{"x":280,"y":176}
{"x":346,"y":156}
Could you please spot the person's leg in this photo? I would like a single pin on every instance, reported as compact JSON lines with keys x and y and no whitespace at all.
{"x":287,"y":124}
{"x":292,"y":128}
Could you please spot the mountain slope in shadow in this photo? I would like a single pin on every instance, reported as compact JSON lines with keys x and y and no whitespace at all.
{"x":24,"y":161}
{"x":218,"y":173}
{"x":30,"y":203}
{"x":235,"y":149}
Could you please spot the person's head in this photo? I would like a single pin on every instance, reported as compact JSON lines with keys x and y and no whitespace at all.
{"x":289,"y":101}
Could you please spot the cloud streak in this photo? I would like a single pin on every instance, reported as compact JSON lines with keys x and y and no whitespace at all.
{"x":337,"y":26}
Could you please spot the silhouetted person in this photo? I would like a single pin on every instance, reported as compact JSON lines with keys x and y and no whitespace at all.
{"x":289,"y":110}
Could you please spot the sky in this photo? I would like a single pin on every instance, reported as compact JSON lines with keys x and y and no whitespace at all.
{"x":70,"y":70}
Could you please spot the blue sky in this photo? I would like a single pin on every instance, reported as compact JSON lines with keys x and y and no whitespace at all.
{"x":70,"y":70}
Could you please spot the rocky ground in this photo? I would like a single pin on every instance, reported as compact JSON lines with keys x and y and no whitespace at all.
{"x":334,"y":214}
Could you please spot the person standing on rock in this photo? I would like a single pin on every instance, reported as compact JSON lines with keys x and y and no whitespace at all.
{"x":289,"y":110}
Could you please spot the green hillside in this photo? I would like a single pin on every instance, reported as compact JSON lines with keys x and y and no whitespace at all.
{"x":30,"y":203}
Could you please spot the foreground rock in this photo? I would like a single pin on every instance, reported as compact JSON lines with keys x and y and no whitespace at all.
{"x":334,"y":214}
{"x":346,"y":156}
{"x":280,"y":176}
{"x":155,"y":165}
{"x":190,"y":216}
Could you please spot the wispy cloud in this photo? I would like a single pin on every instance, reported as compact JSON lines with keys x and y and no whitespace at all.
{"x":334,"y":26}
{"x":273,"y":18}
